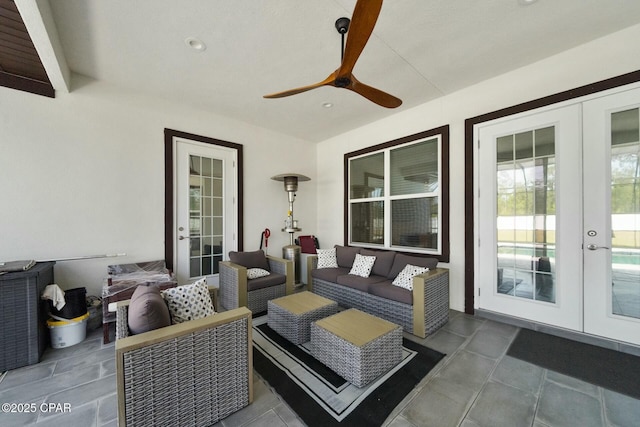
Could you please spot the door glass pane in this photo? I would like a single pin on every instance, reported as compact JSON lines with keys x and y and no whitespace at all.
{"x":525,"y":222}
{"x":625,"y":213}
{"x":205,"y":215}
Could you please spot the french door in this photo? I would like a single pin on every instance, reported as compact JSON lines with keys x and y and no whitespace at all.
{"x":558,"y":217}
{"x":205,"y":208}
{"x":612,"y":216}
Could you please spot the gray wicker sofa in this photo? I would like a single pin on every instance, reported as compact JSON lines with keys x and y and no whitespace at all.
{"x":420,"y":312}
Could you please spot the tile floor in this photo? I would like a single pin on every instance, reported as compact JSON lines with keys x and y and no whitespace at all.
{"x":476,"y":384}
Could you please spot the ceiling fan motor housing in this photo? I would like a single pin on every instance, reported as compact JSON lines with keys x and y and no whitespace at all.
{"x":342,"y":25}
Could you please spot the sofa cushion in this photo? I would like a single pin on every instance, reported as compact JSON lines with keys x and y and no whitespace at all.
{"x":404,"y":279}
{"x":386,"y":290}
{"x":362,"y":265}
{"x":147,"y":310}
{"x":401,"y":260}
{"x":329,"y":274}
{"x":189,"y":302}
{"x":253,"y":259}
{"x":384,"y":261}
{"x":357,"y":282}
{"x":266,"y":281}
{"x":346,"y":255}
{"x":327,"y":258}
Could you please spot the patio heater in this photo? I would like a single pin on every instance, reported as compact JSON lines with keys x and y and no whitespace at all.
{"x":291,"y":251}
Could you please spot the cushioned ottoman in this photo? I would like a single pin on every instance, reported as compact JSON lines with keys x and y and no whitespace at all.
{"x":291,"y":316}
{"x":357,"y":346}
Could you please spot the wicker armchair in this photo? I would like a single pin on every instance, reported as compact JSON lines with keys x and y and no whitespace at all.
{"x":238,"y":291}
{"x":194,"y":373}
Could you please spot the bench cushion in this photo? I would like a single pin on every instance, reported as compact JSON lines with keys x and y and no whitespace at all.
{"x":346,"y":255}
{"x":272,"y":279}
{"x":253,"y":259}
{"x":387,"y":290}
{"x":329,"y":274}
{"x":147,"y":310}
{"x":401,"y":260}
{"x":358,"y":282}
{"x":384,"y":261}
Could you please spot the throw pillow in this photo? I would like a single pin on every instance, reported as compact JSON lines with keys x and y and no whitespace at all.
{"x":362,"y":265}
{"x":147,"y":310}
{"x":189,"y":302}
{"x":327,"y":258}
{"x":405,"y":278}
{"x":254,"y":273}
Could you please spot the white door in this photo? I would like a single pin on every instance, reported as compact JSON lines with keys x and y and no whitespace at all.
{"x":205,"y":208}
{"x":612,"y":216}
{"x":528,"y":211}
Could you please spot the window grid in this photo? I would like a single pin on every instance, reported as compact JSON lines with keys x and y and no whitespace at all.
{"x":421,"y":229}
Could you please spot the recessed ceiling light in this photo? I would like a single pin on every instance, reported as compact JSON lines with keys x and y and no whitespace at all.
{"x":527,"y":2}
{"x":327,"y":105}
{"x":195,"y":43}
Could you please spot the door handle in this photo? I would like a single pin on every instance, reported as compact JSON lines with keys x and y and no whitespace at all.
{"x":593,"y":247}
{"x":183,"y":237}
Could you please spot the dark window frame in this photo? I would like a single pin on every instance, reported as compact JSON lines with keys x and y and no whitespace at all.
{"x":443,"y":133}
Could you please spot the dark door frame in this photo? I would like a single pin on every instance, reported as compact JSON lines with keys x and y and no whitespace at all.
{"x":169,"y":135}
{"x":469,"y":251}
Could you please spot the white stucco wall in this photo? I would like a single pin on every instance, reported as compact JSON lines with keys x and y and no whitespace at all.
{"x":83,"y":174}
{"x":607,"y":57}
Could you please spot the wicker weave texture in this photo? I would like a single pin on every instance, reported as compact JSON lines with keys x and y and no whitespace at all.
{"x":191,"y":380}
{"x":296,"y":327}
{"x":122,"y":322}
{"x":23,"y":334}
{"x":229,"y":292}
{"x":436,"y":311}
{"x":257,"y":300}
{"x":393,"y":311}
{"x":277,"y":265}
{"x":358,"y":365}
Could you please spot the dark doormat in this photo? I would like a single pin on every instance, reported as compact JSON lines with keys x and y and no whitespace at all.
{"x":613,"y":370}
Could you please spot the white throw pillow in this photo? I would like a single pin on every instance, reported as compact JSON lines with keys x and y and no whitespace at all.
{"x":254,"y":273}
{"x":189,"y":302}
{"x":362,"y":265}
{"x":404,"y":279}
{"x":327,"y":258}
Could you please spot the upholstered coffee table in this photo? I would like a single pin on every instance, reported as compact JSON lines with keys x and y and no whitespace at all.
{"x":357,"y":346}
{"x":291,"y":315}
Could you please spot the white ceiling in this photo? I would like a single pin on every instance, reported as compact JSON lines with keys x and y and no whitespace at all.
{"x":420,"y":50}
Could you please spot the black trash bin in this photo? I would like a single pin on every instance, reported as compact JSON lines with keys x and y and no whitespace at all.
{"x":75,"y":304}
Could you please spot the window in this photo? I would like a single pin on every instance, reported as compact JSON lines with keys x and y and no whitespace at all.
{"x":396,"y":195}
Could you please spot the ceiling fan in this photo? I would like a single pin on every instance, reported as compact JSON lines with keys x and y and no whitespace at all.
{"x":363,"y":20}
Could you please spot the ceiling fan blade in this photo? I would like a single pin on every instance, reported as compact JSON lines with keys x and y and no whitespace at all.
{"x":328,"y":81}
{"x":374,"y":95}
{"x":364,"y":18}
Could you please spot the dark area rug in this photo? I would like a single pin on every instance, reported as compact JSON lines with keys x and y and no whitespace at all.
{"x":613,"y":370}
{"x":308,"y":394}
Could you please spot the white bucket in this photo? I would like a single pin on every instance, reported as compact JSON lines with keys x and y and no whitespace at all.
{"x":65,"y":333}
